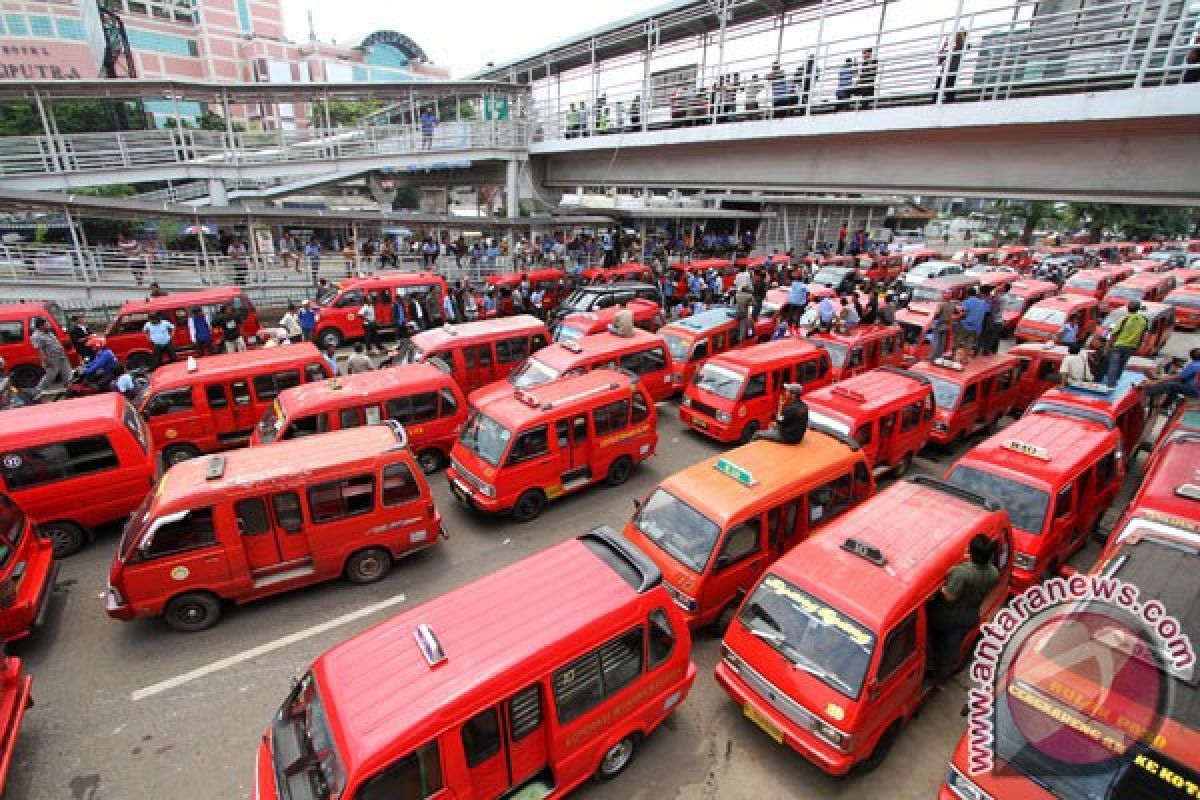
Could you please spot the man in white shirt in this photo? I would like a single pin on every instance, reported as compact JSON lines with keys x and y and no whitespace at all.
{"x":1075,"y":366}
{"x":370,"y":327}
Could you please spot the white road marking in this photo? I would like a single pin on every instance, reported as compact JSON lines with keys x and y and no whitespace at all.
{"x":262,"y":649}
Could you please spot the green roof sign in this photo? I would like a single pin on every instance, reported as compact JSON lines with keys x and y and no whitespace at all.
{"x":742,"y":476}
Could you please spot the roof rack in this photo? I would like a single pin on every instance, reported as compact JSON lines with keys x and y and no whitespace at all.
{"x":957,"y":491}
{"x":916,"y":376}
{"x":572,"y":345}
{"x":850,"y":394}
{"x":863,"y":550}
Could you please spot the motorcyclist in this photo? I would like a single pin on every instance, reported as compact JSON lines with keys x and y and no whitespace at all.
{"x":102,"y":368}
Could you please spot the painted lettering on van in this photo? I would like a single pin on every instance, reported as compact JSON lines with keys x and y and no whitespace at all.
{"x":622,"y":709}
{"x":628,"y":433}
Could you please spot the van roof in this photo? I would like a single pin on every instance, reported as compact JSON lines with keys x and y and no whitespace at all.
{"x":859,"y":333}
{"x":233,"y":365}
{"x":484,"y":329}
{"x":1150,"y":309}
{"x":66,"y":419}
{"x":1065,"y":446}
{"x":952,"y":281}
{"x":497,"y":633}
{"x":921,"y":527}
{"x":780,"y":351}
{"x":705,"y":321}
{"x":577,"y":393}
{"x":564,"y":355}
{"x":870,"y":392}
{"x":24,"y":309}
{"x":389,"y":278}
{"x":1066,"y":302}
{"x":202,"y":297}
{"x":977,"y":366}
{"x":1033,"y":287}
{"x":346,"y":390}
{"x":1097,"y":273}
{"x":1094,"y":397}
{"x":295,"y":462}
{"x":1174,"y":466}
{"x":775,"y":467}
{"x":1145,"y":280}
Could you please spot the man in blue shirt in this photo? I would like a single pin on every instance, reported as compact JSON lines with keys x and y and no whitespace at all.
{"x":1181,"y":384}
{"x":826,"y":310}
{"x":428,"y":123}
{"x":307,"y":318}
{"x":975,"y":311}
{"x":160,"y":332}
{"x":102,"y":366}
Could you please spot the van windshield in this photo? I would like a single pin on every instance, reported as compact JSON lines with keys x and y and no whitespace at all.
{"x":136,"y":525}
{"x":945,"y":393}
{"x":485,"y":437}
{"x":565,"y":333}
{"x":680,"y":530}
{"x":532,"y":373}
{"x":837,"y":352}
{"x":12,"y":524}
{"x":1046,"y":316}
{"x":680,"y":347}
{"x":720,"y":381}
{"x":1083,"y":283}
{"x":1126,"y":292}
{"x":307,"y":765}
{"x":1026,"y":506}
{"x":326,"y":295}
{"x":1013,"y":302}
{"x":816,"y":637}
{"x":581,"y":300}
{"x":1185,"y":299}
{"x":928,"y":294}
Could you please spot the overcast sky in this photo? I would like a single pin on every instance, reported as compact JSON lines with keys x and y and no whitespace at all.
{"x":462,"y":35}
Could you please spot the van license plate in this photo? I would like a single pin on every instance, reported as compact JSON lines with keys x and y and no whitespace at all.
{"x":761,"y":721}
{"x":699,"y":423}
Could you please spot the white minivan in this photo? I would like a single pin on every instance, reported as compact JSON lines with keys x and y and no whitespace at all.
{"x":929,"y":270}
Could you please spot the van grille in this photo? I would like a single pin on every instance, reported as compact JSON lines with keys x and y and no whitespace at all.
{"x":704,"y":408}
{"x":768,"y":692}
{"x":466,"y":475}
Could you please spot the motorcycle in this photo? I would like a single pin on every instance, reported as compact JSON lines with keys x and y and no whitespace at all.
{"x":80,"y":385}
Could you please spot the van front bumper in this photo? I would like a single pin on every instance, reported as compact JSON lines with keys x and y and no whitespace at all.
{"x":467,"y":496}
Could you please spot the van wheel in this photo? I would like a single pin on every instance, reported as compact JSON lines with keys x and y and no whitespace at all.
{"x":142,"y":361}
{"x":903,"y":466}
{"x":192,"y":612}
{"x":179,"y":453}
{"x":330,"y":337}
{"x":368,"y":566}
{"x":66,"y":538}
{"x":618,"y":757}
{"x":882,"y":748}
{"x":430,"y":460}
{"x":748,"y":432}
{"x":26,"y":376}
{"x":529,"y":505}
{"x":619,"y":471}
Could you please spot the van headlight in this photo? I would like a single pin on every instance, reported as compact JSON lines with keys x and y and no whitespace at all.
{"x":682,"y":600}
{"x":831,"y":734}
{"x":488,"y":490}
{"x":1025,"y":561}
{"x":724,"y":417}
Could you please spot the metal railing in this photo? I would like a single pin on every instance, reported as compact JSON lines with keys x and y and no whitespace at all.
{"x":84,"y":152}
{"x":1006,"y":51}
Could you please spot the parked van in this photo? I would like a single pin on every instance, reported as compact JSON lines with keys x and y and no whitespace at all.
{"x":829,"y":652}
{"x":918,"y":321}
{"x":630,"y":272}
{"x":713,"y":527}
{"x":861,"y":348}
{"x":339,"y":319}
{"x":1038,"y":368}
{"x":21,"y":359}
{"x":478,"y":353}
{"x":646,"y":315}
{"x":947,"y":289}
{"x":27,"y":573}
{"x":1121,"y":407}
{"x":552,"y":283}
{"x":604,"y":295}
{"x":421,"y":397}
{"x":522,"y":449}
{"x":1055,"y":477}
{"x":643,"y":354}
{"x":1166,"y":501}
{"x":1090,"y":283}
{"x":75,"y":465}
{"x":259,"y":521}
{"x":1019,"y":297}
{"x":679,"y":272}
{"x":521,"y":684}
{"x":736,"y":394}
{"x":216,"y":405}
{"x":1186,"y":302}
{"x":1045,"y":319}
{"x":888,"y":411}
{"x":1160,"y":319}
{"x":883,"y":268}
{"x":128,"y":341}
{"x":1150,"y":287}
{"x":928,"y":270}
{"x":969,"y":396}
{"x":695,"y":339}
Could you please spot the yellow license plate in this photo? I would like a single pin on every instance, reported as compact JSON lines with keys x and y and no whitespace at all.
{"x":755,"y":716}
{"x":699,"y":423}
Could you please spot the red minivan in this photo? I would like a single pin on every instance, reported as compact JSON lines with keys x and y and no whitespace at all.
{"x":21,"y":359}
{"x":969,"y":396}
{"x":647,"y":315}
{"x":15,"y":698}
{"x":27,"y":572}
{"x":551,"y":282}
{"x":479,"y":353}
{"x":862,"y":348}
{"x":127,"y":339}
{"x":339,"y":320}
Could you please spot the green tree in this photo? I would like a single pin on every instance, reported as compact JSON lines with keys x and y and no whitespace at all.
{"x":342,"y":113}
{"x":1132,"y":221}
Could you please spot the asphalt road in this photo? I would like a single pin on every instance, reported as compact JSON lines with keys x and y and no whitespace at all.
{"x":135,"y":710}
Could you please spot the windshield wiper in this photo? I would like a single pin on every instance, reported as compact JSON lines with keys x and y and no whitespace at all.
{"x":760,"y":612}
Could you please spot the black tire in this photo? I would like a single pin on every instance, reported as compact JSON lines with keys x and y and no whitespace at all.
{"x":882,"y":748}
{"x":142,"y":361}
{"x":619,"y":471}
{"x":903,"y":466}
{"x":529,"y":505}
{"x":368,"y":566}
{"x":430,"y":460}
{"x":178,"y":453}
{"x":329,"y":336}
{"x":192,"y":611}
{"x":67,"y":538}
{"x":748,"y":432}
{"x":26,"y":376}
{"x":617,"y":759}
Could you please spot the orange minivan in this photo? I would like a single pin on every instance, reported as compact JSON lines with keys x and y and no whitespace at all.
{"x":969,"y":396}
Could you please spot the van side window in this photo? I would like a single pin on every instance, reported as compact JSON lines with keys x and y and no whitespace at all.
{"x":481,"y":737}
{"x":132,"y":323}
{"x":448,"y":406}
{"x":510,"y":351}
{"x":480,"y":355}
{"x":12,"y":332}
{"x":588,"y":681}
{"x":856,"y":357}
{"x":1022,"y":367}
{"x":1065,"y":502}
{"x":640,"y":409}
{"x":54,"y":462}
{"x":700,"y":351}
{"x":217,"y":398}
{"x":350,"y":418}
{"x":241,"y":393}
{"x":336,"y":500}
{"x":910,"y":417}
{"x":755,"y":387}
{"x":864,"y":433}
{"x":314,"y":372}
{"x":887,"y":423}
{"x":287,"y":511}
{"x":741,"y":543}
{"x":190,"y":533}
{"x":1105,"y":468}
{"x":267,"y":387}
{"x":970,"y":395}
{"x":830,"y":500}
{"x":170,"y":402}
{"x":1004,"y":380}
{"x":307,"y":426}
{"x":611,"y":417}
{"x":898,"y":647}
{"x":525,"y":712}
{"x":399,"y":485}
{"x":1047,"y":370}
{"x":413,"y":409}
{"x":252,"y":516}
{"x":529,"y":445}
{"x":415,"y":776}
{"x":661,"y":641}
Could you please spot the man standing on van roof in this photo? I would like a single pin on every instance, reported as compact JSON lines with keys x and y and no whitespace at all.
{"x":957,"y":613}
{"x":622,"y":324}
{"x":1075,"y":367}
{"x":54,"y":360}
{"x":230,"y":325}
{"x":1124,"y":340}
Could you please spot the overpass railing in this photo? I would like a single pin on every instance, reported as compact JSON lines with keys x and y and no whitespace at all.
{"x":1007,"y":51}
{"x":84,"y":152}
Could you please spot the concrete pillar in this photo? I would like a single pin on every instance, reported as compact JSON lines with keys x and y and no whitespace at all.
{"x":217,"y":195}
{"x":512,"y":198}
